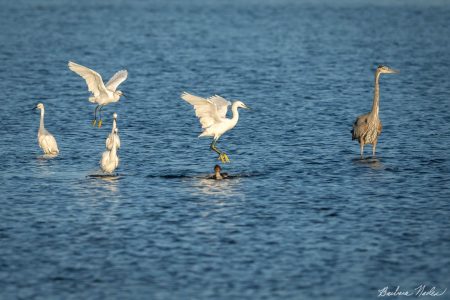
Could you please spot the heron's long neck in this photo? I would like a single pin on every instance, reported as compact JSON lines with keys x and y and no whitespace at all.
{"x":41,"y":125}
{"x":235,"y":117}
{"x":376,"y":96}
{"x":114,"y":125}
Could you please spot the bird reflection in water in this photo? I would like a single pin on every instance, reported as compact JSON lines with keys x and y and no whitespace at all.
{"x":371,"y":162}
{"x":218,"y":184}
{"x":108,"y":182}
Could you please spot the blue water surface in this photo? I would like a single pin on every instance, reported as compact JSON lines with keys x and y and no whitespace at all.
{"x":304,"y":218}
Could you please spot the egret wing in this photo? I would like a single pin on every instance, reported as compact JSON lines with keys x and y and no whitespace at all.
{"x":93,"y":80}
{"x":47,"y":141}
{"x":111,"y":140}
{"x":116,"y":80}
{"x":221,"y":105}
{"x":205,"y":109}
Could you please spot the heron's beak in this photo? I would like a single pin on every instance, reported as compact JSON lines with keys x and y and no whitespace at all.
{"x":34,"y":108}
{"x":393,"y":71}
{"x":246,"y":107}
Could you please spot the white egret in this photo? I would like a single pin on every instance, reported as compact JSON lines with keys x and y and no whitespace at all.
{"x":102,"y":94}
{"x":212,"y":115}
{"x":110,"y":160}
{"x":46,"y":140}
{"x":110,"y":139}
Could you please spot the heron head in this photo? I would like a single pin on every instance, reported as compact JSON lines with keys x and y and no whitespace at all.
{"x":241,"y":104}
{"x":386,"y":70}
{"x":116,"y":130}
{"x":114,"y":115}
{"x":39,"y":106}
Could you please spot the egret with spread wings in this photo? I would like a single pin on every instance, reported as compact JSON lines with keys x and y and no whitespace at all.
{"x":101,"y":94}
{"x":212,"y":115}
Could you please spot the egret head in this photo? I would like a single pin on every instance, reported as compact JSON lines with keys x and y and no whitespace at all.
{"x":114,"y":116}
{"x":116,"y":130}
{"x":386,"y":70}
{"x":39,"y":106}
{"x":119,"y":93}
{"x":241,"y":104}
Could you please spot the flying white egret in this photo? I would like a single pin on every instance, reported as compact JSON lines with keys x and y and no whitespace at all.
{"x":102,"y":94}
{"x":110,"y":139}
{"x":212,"y":115}
{"x":367,"y":128}
{"x":110,"y":160}
{"x":46,"y":140}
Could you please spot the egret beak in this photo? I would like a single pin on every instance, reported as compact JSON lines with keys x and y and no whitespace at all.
{"x":246,"y":107}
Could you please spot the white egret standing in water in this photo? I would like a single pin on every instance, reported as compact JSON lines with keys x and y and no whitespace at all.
{"x":110,"y":160}
{"x":102,"y":94}
{"x":110,"y":139}
{"x":212,"y":115}
{"x":46,"y":140}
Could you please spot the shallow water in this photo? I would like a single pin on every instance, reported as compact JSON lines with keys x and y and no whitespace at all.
{"x":305,"y":218}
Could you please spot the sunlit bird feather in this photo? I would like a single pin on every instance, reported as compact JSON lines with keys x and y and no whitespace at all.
{"x":212,"y":116}
{"x":101,"y":94}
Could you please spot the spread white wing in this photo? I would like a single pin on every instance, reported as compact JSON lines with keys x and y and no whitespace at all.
{"x":116,"y":80}
{"x":93,"y":80}
{"x":209,"y":111}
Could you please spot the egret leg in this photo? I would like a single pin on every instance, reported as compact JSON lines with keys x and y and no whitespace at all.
{"x":95,"y":115}
{"x":100,"y":115}
{"x":223,"y":157}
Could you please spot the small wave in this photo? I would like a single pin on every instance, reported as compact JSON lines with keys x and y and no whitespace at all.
{"x":203,"y":176}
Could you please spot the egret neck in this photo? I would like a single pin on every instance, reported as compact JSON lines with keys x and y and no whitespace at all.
{"x":235,"y":118}
{"x":41,"y":125}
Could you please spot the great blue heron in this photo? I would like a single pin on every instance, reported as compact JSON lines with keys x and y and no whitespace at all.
{"x":101,"y":94}
{"x":46,"y":140}
{"x":367,"y":128}
{"x":212,"y":114}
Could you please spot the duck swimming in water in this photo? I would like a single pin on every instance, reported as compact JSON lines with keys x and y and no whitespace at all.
{"x":217,"y":175}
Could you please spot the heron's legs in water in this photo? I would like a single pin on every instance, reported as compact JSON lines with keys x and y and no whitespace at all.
{"x":374,"y":147}
{"x":100,"y":115}
{"x":223,"y":157}
{"x":95,"y":115}
{"x":361,"y":149}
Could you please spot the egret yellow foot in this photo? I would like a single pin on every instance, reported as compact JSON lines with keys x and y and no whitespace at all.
{"x":93,"y":122}
{"x":100,"y":123}
{"x":224,"y":158}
